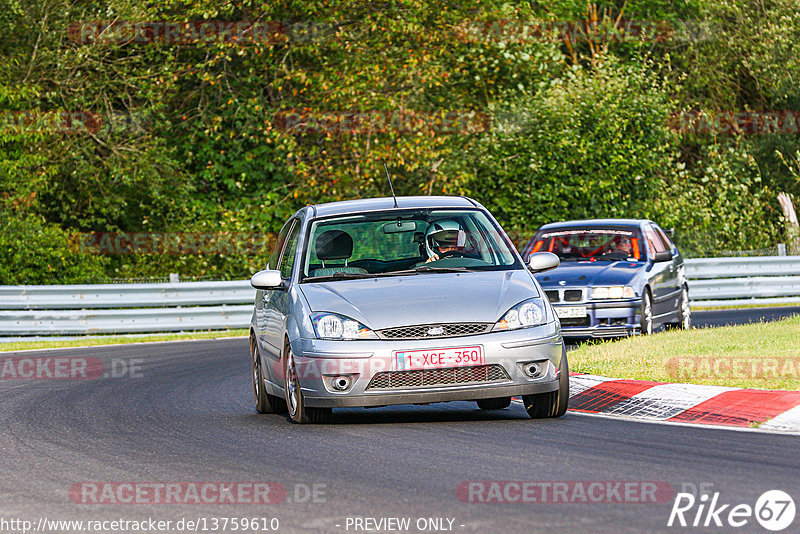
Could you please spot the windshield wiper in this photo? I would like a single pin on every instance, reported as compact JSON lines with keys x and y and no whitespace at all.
{"x":428,"y":268}
{"x":338,"y":276}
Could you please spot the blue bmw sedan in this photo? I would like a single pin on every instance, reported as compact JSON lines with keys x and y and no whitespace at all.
{"x":617,"y":277}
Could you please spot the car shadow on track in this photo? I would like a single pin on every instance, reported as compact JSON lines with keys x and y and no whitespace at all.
{"x":458,"y":412}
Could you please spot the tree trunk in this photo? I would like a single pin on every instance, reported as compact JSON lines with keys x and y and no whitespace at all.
{"x":792,"y":226}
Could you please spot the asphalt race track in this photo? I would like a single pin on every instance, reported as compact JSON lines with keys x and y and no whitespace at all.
{"x":704,"y":318}
{"x":186,"y":414}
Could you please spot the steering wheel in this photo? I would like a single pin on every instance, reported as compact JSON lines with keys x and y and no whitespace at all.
{"x":458,"y":254}
{"x":615,"y":255}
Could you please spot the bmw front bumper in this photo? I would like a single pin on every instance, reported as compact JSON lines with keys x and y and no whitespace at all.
{"x":612,"y":318}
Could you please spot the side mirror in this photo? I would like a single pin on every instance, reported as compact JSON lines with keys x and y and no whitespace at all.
{"x":539,"y":262}
{"x":662,"y":256}
{"x":266,"y":279}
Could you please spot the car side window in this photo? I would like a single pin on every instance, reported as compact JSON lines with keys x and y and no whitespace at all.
{"x":670,"y":245}
{"x":654,"y":241}
{"x":287,"y":260}
{"x":276,"y":251}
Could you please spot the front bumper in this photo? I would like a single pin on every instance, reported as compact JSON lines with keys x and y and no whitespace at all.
{"x":610,"y":318}
{"x":318,"y":362}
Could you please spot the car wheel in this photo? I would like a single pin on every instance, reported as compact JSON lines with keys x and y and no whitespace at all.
{"x":298,"y":411}
{"x":494,"y":404}
{"x":265,"y":403}
{"x":684,"y":312}
{"x":646,"y":319}
{"x":552,"y":403}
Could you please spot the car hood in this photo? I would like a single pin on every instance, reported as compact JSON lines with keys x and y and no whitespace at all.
{"x":600,"y":273}
{"x":386,"y":302}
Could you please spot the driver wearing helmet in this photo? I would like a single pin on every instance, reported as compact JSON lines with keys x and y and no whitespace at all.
{"x":443,"y":237}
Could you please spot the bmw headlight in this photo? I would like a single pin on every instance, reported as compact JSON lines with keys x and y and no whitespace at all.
{"x":613,"y":292}
{"x":334,"y":326}
{"x":530,"y":312}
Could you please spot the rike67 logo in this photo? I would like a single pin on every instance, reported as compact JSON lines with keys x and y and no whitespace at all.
{"x":774,"y":510}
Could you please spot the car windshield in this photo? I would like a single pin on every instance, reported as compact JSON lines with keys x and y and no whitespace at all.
{"x":404,"y":242}
{"x":590,"y":244}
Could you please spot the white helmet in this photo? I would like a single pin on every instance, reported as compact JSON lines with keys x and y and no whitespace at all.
{"x":444,"y":233}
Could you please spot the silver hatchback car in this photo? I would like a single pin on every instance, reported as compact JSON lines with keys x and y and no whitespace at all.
{"x":411,"y":300}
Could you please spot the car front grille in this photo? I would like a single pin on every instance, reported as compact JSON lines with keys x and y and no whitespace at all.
{"x":449,"y":376}
{"x":552,"y":296}
{"x":564,"y":295}
{"x":431,"y":331}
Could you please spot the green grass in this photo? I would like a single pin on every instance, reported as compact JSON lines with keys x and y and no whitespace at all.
{"x":118,"y":340}
{"x":762,"y":355}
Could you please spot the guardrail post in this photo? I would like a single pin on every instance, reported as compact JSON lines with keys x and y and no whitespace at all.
{"x":781,"y":249}
{"x":174,"y":278}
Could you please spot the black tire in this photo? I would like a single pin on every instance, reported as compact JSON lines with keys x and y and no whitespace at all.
{"x":494,"y":404}
{"x":265,"y":403}
{"x":646,"y":314}
{"x":552,"y":403}
{"x":298,"y":411}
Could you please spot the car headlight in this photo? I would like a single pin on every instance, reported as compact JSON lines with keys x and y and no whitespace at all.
{"x":613,"y":292}
{"x":530,"y":312}
{"x":334,"y":326}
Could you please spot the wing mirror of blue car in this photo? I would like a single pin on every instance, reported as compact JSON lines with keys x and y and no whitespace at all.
{"x":267,"y":279}
{"x":539,"y":262}
{"x":662,"y":256}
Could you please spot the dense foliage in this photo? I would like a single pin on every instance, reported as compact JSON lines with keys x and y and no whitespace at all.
{"x":538,"y":119}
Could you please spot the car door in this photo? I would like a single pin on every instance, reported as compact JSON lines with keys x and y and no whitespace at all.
{"x":676,"y":283}
{"x":262,"y":297}
{"x":662,"y":275}
{"x":276,"y":306}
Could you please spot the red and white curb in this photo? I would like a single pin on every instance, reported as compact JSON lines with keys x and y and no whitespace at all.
{"x":777,"y":411}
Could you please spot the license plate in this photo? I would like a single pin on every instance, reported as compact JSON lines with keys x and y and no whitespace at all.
{"x":571,"y":312}
{"x":438,"y":358}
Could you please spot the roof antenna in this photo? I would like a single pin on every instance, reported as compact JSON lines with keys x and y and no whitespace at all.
{"x":390,"y":184}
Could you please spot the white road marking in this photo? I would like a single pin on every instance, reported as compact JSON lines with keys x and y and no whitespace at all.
{"x":666,"y":400}
{"x":579,"y":384}
{"x":788,"y":421}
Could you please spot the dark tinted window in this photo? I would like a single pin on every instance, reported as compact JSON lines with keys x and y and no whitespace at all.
{"x":276,"y":252}
{"x":287,"y":260}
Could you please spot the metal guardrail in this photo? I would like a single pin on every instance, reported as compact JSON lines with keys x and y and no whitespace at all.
{"x":766,"y":280}
{"x":125,"y":308}
{"x":125,"y":295}
{"x":123,"y":321}
{"x":187,"y":306}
